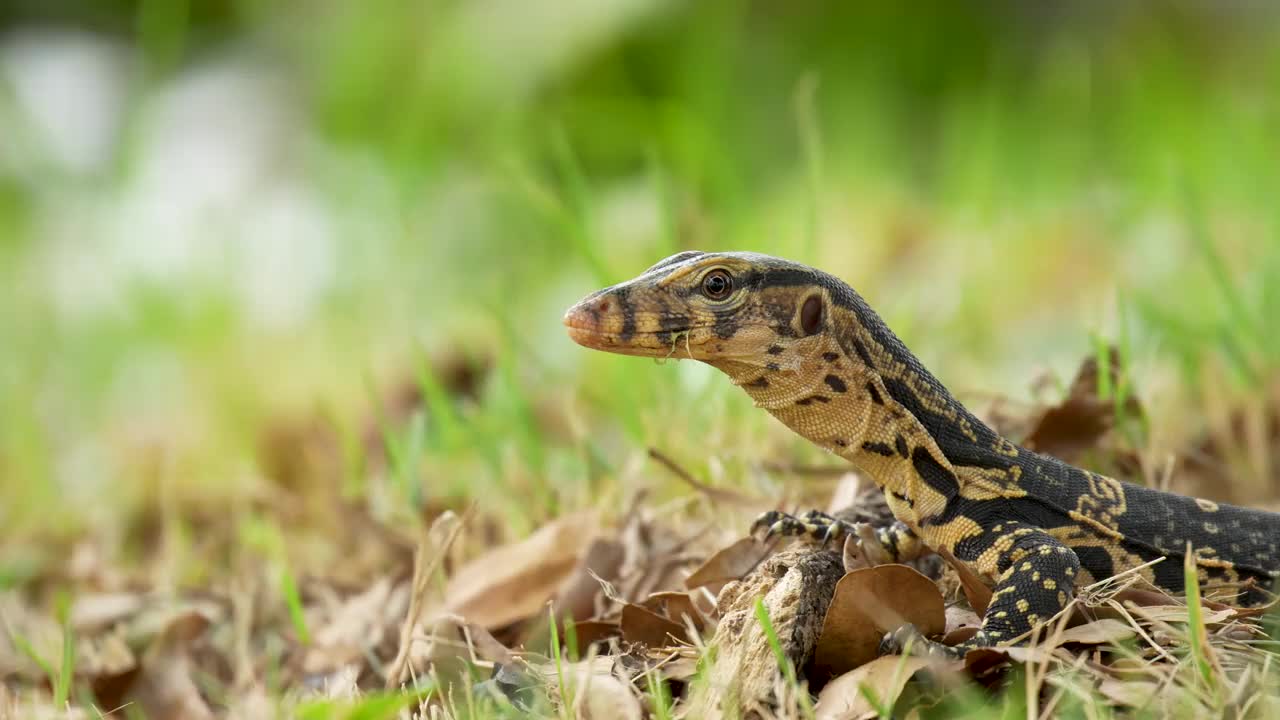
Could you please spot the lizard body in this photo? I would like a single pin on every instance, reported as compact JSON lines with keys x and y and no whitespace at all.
{"x":807,"y":348}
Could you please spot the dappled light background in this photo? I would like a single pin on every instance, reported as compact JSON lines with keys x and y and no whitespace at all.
{"x":221,"y":218}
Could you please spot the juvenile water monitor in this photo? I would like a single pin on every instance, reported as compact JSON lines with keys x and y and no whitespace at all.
{"x":807,"y":348}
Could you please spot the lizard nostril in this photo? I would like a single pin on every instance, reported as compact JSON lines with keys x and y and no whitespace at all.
{"x":603,"y":306}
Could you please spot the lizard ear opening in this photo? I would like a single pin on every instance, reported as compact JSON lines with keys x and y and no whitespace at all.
{"x":811,"y":315}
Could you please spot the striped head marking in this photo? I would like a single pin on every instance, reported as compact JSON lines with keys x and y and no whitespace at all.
{"x":733,"y":310}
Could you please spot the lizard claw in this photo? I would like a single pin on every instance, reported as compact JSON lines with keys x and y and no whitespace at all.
{"x":814,"y":524}
{"x":907,"y":640}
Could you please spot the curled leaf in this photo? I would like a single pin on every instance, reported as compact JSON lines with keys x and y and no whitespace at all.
{"x":728,"y":564}
{"x":868,"y":689}
{"x":869,"y":603}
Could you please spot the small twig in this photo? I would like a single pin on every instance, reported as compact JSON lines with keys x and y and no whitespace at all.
{"x":714,"y":493}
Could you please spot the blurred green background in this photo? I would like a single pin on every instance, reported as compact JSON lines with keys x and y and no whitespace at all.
{"x":217,"y":216}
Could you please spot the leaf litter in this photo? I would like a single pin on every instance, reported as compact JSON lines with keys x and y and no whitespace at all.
{"x":595,"y":615}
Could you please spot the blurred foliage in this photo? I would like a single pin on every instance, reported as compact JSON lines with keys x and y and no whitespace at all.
{"x":302,"y":204}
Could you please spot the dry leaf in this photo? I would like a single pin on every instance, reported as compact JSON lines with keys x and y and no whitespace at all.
{"x":976,"y":592}
{"x":1099,"y":632}
{"x":98,"y":611}
{"x":676,"y":606}
{"x":640,"y":625}
{"x":680,"y":665}
{"x":602,"y":696}
{"x":729,"y":564}
{"x":359,"y":623}
{"x":883,"y":678}
{"x":869,"y":603}
{"x":962,"y":624}
{"x":164,"y":688}
{"x":447,"y":645}
{"x":577,"y":594}
{"x":960,"y":617}
{"x":980,"y":660}
{"x":514,"y":582}
{"x":1178,"y":614}
{"x":1080,"y":421}
{"x":1129,"y":693}
{"x":589,"y":632}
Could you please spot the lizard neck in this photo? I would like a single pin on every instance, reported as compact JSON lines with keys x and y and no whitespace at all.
{"x":857,"y":391}
{"x":824,"y":393}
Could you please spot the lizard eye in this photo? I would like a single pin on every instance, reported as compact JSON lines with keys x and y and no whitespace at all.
{"x":717,"y":284}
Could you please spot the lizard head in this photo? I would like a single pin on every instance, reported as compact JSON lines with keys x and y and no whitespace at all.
{"x":733,"y":310}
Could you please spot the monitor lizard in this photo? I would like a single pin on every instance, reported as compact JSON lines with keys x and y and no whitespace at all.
{"x":806,"y":347}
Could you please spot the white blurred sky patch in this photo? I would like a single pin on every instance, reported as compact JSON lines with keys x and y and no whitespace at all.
{"x":69,"y":90}
{"x":217,"y":192}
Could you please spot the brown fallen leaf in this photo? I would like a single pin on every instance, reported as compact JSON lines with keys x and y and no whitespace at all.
{"x":960,"y":617}
{"x":883,"y":678}
{"x":514,"y":582}
{"x":589,"y":632}
{"x":641,"y":625}
{"x":576,"y":597}
{"x":164,"y":687}
{"x":728,"y":564}
{"x":1178,"y":614}
{"x":447,"y":645}
{"x":1153,"y":598}
{"x":1098,"y":632}
{"x":1083,"y":418}
{"x":97,"y":611}
{"x":680,"y":664}
{"x":601,"y":695}
{"x":358,"y":624}
{"x":980,"y":660}
{"x":869,"y":603}
{"x":976,"y":592}
{"x":962,"y":624}
{"x":1129,"y":693}
{"x":676,"y":606}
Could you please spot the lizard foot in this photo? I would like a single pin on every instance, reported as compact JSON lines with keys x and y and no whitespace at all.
{"x":907,"y":640}
{"x":815,"y":525}
{"x":862,"y":541}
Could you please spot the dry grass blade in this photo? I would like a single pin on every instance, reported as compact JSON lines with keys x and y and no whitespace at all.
{"x":431,"y":552}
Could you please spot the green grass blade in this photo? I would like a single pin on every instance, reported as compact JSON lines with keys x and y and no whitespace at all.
{"x":784,"y":663}
{"x":293,"y":602}
{"x":66,"y":672}
{"x":566,"y":692}
{"x":1197,"y":634}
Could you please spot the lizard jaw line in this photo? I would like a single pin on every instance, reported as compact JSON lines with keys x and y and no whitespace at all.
{"x":584,"y":330}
